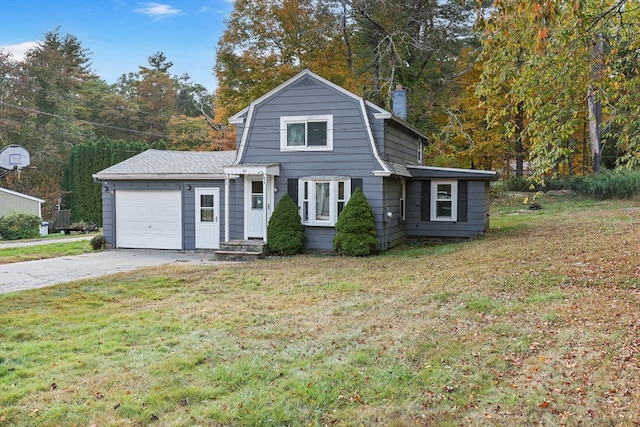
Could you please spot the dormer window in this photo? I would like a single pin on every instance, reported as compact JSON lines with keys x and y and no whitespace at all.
{"x":306,"y":133}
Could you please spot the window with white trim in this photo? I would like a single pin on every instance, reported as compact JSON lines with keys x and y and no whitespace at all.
{"x":444,"y":200}
{"x":321,"y":200}
{"x":420,"y":150}
{"x":306,"y":133}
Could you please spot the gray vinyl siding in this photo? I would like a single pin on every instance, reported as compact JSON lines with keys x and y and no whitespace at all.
{"x":392,"y":230}
{"x":352,"y":155}
{"x":477,"y":214}
{"x":321,"y":237}
{"x":399,"y":145}
{"x":189,"y":210}
{"x":188,"y":205}
{"x":377,"y":129}
{"x":108,"y":215}
{"x":236,"y":210}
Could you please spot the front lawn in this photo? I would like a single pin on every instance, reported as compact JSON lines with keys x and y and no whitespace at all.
{"x":44,"y":251}
{"x":535,"y":323}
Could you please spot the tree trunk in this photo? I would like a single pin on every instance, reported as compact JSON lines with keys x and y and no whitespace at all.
{"x":595,"y":106}
{"x":519,"y":145}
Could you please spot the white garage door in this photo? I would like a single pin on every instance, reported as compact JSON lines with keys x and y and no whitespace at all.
{"x":148,"y":219}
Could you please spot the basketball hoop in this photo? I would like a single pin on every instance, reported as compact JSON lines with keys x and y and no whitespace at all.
{"x":13,"y":158}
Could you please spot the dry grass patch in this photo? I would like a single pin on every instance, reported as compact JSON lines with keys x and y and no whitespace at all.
{"x":534,"y":324}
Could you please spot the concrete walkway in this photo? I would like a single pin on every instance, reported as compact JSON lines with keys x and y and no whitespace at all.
{"x":37,"y":274}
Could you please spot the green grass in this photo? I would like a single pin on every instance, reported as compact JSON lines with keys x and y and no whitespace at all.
{"x":44,"y":251}
{"x":532,"y":324}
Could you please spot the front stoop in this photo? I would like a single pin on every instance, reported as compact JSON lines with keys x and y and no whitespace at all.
{"x":241,"y":250}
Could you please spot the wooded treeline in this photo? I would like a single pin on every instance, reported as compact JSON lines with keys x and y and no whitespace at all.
{"x":52,"y":102}
{"x":552,"y":87}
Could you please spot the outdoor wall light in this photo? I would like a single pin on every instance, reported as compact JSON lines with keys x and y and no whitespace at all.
{"x":189,"y":187}
{"x":388,"y":214}
{"x":106,"y":188}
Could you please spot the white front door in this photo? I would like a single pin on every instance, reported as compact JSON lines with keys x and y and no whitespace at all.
{"x":207,"y":215}
{"x":255,"y":206}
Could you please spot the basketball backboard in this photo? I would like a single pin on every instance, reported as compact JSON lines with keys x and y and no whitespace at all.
{"x":14,"y":157}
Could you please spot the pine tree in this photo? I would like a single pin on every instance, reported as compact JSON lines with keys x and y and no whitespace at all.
{"x":355,"y":229}
{"x":285,"y":232}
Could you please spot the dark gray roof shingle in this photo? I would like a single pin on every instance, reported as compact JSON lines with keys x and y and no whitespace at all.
{"x":164,"y":162}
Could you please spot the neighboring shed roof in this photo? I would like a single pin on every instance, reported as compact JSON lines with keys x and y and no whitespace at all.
{"x":433,"y":172}
{"x":24,"y":196}
{"x":164,"y":164}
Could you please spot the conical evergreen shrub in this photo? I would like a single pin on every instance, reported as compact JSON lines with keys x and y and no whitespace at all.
{"x":355,"y":229}
{"x":285,"y":232}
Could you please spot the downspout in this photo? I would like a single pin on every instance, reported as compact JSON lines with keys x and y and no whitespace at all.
{"x":226,"y":207}
{"x":265,"y":208}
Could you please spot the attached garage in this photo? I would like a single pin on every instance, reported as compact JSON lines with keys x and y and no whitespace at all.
{"x":165,"y":200}
{"x":149,"y":219}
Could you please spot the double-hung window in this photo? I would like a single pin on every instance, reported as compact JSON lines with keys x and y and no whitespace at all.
{"x":444,"y":200}
{"x":322,"y":199}
{"x":306,"y":133}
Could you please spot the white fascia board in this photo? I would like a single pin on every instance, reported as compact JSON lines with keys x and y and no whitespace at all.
{"x":272,"y":169}
{"x":382,"y":173}
{"x":156,"y":177}
{"x":24,"y":196}
{"x":237,"y":121}
{"x":435,"y":168}
{"x":367,"y":126}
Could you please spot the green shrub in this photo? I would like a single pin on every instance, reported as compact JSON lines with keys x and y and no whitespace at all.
{"x":609,"y":184}
{"x":355,"y":229}
{"x":19,"y":225}
{"x":98,"y":242}
{"x":285,"y":232}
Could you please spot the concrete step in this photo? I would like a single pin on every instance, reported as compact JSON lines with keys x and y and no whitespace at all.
{"x":243,"y":246}
{"x":237,"y":255}
{"x":241,"y":250}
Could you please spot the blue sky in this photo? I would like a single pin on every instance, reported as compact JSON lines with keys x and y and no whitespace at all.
{"x":121,"y":34}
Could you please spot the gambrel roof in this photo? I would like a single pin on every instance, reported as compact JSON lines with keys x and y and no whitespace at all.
{"x":245,"y":117}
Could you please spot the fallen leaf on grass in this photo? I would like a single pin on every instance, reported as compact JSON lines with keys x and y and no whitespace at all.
{"x":543,"y":405}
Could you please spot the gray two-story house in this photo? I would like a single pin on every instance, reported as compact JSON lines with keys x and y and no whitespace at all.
{"x":309,"y":138}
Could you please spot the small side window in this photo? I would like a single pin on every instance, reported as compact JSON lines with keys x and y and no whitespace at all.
{"x":444,"y":200}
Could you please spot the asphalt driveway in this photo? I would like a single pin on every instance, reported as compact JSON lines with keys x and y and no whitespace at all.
{"x":37,"y":274}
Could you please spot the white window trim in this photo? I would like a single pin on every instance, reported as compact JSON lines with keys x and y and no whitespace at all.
{"x":333,"y":199}
{"x":420,"y":150}
{"x":454,"y":201}
{"x":284,"y":121}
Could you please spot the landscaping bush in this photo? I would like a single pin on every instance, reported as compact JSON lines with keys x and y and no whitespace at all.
{"x":609,"y":184}
{"x":19,"y":225}
{"x":355,"y":229}
{"x":98,"y":242}
{"x":285,"y":232}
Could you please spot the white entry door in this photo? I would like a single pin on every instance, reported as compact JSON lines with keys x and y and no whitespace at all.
{"x":207,"y":218}
{"x":255,"y":205}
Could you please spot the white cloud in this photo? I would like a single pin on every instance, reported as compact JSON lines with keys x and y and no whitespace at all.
{"x":158,"y":10}
{"x":20,"y":49}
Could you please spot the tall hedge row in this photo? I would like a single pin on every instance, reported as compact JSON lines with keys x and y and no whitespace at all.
{"x":81,"y":194}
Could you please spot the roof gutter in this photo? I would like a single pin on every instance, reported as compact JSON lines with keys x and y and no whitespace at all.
{"x":156,"y":177}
